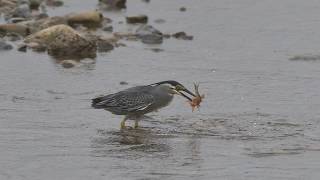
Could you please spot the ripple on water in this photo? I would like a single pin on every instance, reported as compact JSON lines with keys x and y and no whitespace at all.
{"x":129,"y":144}
{"x":264,"y":134}
{"x":245,"y":126}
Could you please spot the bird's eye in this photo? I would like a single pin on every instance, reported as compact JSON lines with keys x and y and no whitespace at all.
{"x":179,"y":88}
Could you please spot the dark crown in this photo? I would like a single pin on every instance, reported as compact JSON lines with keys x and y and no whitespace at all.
{"x":171,"y":82}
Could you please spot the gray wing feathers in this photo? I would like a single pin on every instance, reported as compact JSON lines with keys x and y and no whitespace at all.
{"x":129,"y":101}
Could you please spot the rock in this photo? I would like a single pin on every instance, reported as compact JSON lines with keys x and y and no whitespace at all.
{"x":14,"y":28}
{"x":182,"y":9}
{"x":4,"y":46}
{"x":104,"y":46}
{"x":113,"y":4}
{"x":10,"y":3}
{"x":143,"y":19}
{"x":182,"y":35}
{"x":12,"y":37}
{"x":123,"y":83}
{"x":69,"y":63}
{"x":7,"y":6}
{"x":159,"y":21}
{"x":127,"y":36}
{"x":156,"y":50}
{"x":34,"y":4}
{"x":23,"y":11}
{"x":54,"y":3}
{"x":41,"y":16}
{"x":166,"y":36}
{"x":51,"y":21}
{"x":305,"y":57}
{"x":37,"y":46}
{"x":90,"y":18}
{"x":149,"y":35}
{"x":108,"y":28}
{"x":22,"y":47}
{"x":104,"y":43}
{"x":16,"y":20}
{"x":63,"y":41}
{"x":33,"y":45}
{"x":37,"y":25}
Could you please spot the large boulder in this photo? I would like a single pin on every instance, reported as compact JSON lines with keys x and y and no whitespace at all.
{"x":62,"y":41}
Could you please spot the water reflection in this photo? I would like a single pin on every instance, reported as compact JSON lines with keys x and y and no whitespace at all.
{"x":85,"y":63}
{"x":160,"y":154}
{"x":131,"y":143}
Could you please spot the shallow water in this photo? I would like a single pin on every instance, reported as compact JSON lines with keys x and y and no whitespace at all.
{"x":259,"y":120}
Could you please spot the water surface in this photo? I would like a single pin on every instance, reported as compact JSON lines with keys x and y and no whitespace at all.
{"x":259,"y":120}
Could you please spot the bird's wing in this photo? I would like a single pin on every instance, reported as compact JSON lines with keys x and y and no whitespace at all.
{"x":129,"y":101}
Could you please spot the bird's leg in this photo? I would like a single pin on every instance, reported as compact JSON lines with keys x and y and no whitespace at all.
{"x":136,"y":124}
{"x":123,"y":123}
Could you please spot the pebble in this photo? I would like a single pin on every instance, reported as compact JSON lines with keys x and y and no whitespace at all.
{"x":143,"y":19}
{"x":183,"y":9}
{"x":4,"y":46}
{"x":104,"y":46}
{"x":182,"y":35}
{"x":69,"y":63}
{"x":149,"y":35}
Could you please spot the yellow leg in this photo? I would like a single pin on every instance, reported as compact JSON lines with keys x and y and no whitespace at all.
{"x":136,"y":124}
{"x":123,"y":123}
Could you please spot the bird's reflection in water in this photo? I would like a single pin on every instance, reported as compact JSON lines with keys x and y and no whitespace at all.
{"x":129,"y":143}
{"x":193,"y":154}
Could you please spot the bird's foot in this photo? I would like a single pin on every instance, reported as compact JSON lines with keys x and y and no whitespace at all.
{"x":123,"y":125}
{"x":136,"y":124}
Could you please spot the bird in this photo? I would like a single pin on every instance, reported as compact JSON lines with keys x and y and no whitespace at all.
{"x":136,"y":101}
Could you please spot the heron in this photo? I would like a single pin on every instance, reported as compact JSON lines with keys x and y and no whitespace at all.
{"x":137,"y":101}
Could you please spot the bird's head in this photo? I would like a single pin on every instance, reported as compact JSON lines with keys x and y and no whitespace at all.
{"x":175,"y":87}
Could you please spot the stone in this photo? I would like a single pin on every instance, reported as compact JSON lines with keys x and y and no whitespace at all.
{"x":16,"y":20}
{"x":182,"y":9}
{"x":113,"y":4}
{"x":4,"y":46}
{"x":37,"y":47}
{"x":40,"y":24}
{"x":54,"y":3}
{"x":159,"y":21}
{"x":123,"y":83}
{"x":7,"y":7}
{"x":142,"y":19}
{"x":63,"y":41}
{"x":69,"y":63}
{"x":23,"y":11}
{"x":41,"y":16}
{"x":14,"y":28}
{"x":182,"y":35}
{"x":13,"y":37}
{"x":149,"y":35}
{"x":89,"y":18}
{"x":34,"y":4}
{"x":104,"y":46}
{"x":108,"y":28}
{"x":22,"y":47}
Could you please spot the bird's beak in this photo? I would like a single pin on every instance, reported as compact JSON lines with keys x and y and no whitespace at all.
{"x":184,"y":95}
